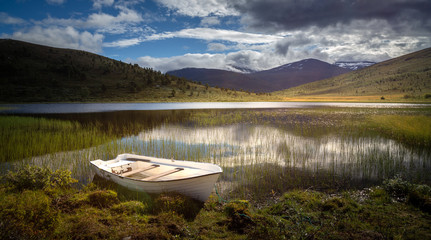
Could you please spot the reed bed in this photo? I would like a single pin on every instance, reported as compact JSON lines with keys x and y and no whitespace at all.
{"x":263,"y":153}
{"x":24,"y":137}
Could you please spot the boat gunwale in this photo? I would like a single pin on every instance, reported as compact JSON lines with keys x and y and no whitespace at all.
{"x":157,"y":181}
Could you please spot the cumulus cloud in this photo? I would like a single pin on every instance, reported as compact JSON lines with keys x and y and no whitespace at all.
{"x":244,"y":58}
{"x":125,"y":21}
{"x":100,"y":3}
{"x":199,"y":8}
{"x":67,"y":37}
{"x":6,"y":19}
{"x":358,"y":40}
{"x":188,"y":60}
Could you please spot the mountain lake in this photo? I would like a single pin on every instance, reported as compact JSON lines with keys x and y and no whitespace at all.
{"x":263,"y":147}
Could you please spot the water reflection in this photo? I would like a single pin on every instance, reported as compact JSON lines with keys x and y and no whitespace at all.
{"x":255,"y":157}
{"x":47,"y":108}
{"x":241,"y":145}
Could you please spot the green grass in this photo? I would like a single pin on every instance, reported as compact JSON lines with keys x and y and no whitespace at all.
{"x":53,"y":212}
{"x":24,"y":137}
{"x":412,"y":130}
{"x":281,"y":155}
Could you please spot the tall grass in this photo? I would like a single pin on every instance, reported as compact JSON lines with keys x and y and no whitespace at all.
{"x":262,"y":153}
{"x":24,"y":137}
{"x":413,"y":130}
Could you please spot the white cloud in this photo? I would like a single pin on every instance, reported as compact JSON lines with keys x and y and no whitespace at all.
{"x":210,"y":21}
{"x":57,"y":2}
{"x":98,"y":4}
{"x":217,"y":34}
{"x":125,"y":21}
{"x":217,"y":47}
{"x":244,"y":58}
{"x":67,"y":37}
{"x":355,"y":41}
{"x":200,"y":8}
{"x":244,"y":40}
{"x":6,"y":19}
{"x":188,"y":60}
{"x":123,"y":43}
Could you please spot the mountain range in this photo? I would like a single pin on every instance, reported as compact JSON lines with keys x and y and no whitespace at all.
{"x":36,"y":73}
{"x":404,"y":78}
{"x":275,"y":79}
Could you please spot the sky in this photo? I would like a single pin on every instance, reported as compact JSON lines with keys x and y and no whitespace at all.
{"x":223,"y":34}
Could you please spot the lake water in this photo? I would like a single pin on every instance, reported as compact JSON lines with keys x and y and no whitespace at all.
{"x":110,"y":107}
{"x":260,"y":146}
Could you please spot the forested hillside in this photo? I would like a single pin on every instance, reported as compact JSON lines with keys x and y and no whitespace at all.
{"x":35,"y":73}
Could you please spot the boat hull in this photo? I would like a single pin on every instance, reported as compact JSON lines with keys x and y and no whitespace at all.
{"x":197,"y":187}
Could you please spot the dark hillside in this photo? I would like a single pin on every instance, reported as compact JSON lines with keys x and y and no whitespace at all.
{"x":35,"y":73}
{"x":221,"y":78}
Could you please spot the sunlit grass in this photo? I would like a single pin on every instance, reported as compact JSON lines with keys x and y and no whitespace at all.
{"x":413,"y":130}
{"x":24,"y":137}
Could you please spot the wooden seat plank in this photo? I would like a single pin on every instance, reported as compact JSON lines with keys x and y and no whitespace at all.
{"x":162,"y":174}
{"x":126,"y":174}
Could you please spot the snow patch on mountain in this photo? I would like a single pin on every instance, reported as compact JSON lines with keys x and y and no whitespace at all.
{"x":354,"y":65}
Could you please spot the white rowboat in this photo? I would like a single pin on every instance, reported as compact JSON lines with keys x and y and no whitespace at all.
{"x":158,"y":175}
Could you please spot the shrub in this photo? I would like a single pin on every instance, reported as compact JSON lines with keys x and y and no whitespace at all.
{"x":428,"y":95}
{"x":130,"y":207}
{"x":102,"y":198}
{"x":29,"y":177}
{"x":35,"y":178}
{"x":26,"y":215}
{"x":397,"y":188}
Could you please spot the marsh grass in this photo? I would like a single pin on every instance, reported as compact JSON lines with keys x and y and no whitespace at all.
{"x":412,"y":130}
{"x":263,"y":152}
{"x":24,"y":137}
{"x":291,"y":169}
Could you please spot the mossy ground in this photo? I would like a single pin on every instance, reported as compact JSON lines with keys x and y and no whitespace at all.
{"x":397,"y":210}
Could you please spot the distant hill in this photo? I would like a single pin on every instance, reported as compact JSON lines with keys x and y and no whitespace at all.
{"x":297,"y":73}
{"x":283,"y":77}
{"x":402,"y":78}
{"x":221,"y":78}
{"x":36,"y":73}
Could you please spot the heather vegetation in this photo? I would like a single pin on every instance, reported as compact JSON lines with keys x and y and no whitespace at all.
{"x":55,"y":210}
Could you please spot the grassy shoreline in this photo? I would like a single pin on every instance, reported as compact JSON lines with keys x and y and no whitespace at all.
{"x":395,"y":209}
{"x":51,"y":209}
